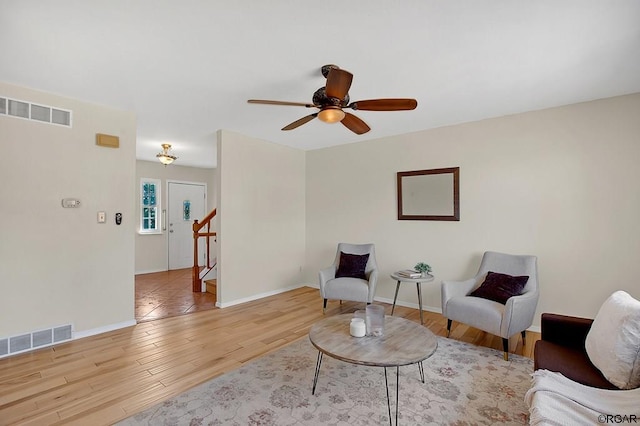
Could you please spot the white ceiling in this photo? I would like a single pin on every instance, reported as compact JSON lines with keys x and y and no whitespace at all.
{"x":188,"y":67}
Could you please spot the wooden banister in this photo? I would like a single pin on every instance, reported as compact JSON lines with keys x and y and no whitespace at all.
{"x":207,"y":220}
{"x":197,"y":226}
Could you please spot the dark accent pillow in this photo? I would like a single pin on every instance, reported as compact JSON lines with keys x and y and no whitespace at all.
{"x":500,"y":287}
{"x":352,"y":265}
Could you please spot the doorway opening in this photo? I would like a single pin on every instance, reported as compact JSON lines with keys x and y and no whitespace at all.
{"x":168,"y":294}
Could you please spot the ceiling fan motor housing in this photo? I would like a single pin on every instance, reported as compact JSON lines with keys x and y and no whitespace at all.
{"x":321,"y":99}
{"x":326,"y":68}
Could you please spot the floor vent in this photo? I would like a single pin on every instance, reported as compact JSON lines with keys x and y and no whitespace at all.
{"x":37,"y":339}
{"x":29,"y":111}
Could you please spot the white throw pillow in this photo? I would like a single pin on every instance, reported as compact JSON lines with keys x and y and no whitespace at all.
{"x":613,"y":343}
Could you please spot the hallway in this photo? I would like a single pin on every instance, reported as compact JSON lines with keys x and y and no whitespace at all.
{"x":168,"y":294}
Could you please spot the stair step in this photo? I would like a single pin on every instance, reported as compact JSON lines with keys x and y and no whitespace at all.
{"x":212,"y":286}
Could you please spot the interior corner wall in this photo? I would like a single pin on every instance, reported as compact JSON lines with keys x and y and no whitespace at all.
{"x":559,"y":183}
{"x":152,"y":249}
{"x":261,"y":219}
{"x":59,"y":265}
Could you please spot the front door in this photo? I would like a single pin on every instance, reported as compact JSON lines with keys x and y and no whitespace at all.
{"x":186,"y":202}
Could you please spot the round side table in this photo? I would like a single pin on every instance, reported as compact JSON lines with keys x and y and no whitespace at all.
{"x":418,"y":281}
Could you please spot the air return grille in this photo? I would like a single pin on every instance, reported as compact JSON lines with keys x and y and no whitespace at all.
{"x":30,"y":111}
{"x":37,"y":339}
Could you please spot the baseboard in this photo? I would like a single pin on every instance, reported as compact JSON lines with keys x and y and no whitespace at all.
{"x":105,"y":329}
{"x":534,"y":328}
{"x":390,"y":301}
{"x":257,"y":296}
{"x":408,"y":305}
{"x":437,"y":310}
{"x":151,"y":271}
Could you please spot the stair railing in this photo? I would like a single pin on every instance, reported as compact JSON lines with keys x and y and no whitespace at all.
{"x":196,"y":274}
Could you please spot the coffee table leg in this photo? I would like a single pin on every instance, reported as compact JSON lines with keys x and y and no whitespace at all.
{"x":397,"y":392}
{"x":395,"y":298}
{"x":420,"y":301}
{"x":315,"y":377}
{"x":386,"y":382}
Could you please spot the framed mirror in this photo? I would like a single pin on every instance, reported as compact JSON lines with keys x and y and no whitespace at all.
{"x":429,"y":194}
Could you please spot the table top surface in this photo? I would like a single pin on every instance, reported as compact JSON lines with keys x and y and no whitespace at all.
{"x":426,"y":279}
{"x":404,"y":342}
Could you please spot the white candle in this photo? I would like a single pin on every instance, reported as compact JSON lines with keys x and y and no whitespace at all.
{"x":357,"y":328}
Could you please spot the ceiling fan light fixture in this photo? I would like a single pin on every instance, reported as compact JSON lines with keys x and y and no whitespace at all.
{"x":331,"y":114}
{"x":165,"y":157}
{"x":334,"y":96}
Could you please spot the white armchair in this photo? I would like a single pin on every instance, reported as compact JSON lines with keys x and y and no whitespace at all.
{"x":503,"y":320}
{"x":350,"y":288}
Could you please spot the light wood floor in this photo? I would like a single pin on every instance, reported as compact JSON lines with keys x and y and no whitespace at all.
{"x":106,"y":378}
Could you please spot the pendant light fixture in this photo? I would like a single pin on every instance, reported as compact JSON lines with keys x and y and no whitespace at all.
{"x":164,"y":156}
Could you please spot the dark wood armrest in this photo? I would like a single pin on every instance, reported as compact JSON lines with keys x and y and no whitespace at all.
{"x":565,"y":330}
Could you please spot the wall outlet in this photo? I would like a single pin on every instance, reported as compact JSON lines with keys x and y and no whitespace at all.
{"x":102,"y":217}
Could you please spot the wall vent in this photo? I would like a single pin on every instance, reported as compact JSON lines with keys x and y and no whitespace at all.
{"x":42,"y":338}
{"x":37,"y":112}
{"x":20,"y":343}
{"x":37,"y":339}
{"x":60,"y":334}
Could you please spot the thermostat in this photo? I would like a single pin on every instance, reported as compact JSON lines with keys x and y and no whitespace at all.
{"x":70,"y":203}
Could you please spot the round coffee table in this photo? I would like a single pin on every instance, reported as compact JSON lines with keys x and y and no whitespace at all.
{"x":404,"y":342}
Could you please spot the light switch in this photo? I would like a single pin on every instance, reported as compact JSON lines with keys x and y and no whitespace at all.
{"x":102,"y":217}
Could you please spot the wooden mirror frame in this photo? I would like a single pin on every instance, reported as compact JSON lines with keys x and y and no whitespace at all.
{"x":455,"y":197}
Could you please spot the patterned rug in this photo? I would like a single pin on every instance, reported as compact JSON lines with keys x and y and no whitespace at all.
{"x":464,"y":385}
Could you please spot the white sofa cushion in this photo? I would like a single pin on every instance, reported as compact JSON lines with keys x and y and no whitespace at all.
{"x":613,"y":342}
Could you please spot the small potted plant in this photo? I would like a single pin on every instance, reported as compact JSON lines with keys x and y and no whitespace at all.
{"x":423,"y":268}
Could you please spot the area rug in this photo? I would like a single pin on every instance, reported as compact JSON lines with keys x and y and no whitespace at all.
{"x":464,"y":385}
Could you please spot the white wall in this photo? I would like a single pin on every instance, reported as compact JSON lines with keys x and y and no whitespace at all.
{"x":560,"y":183}
{"x":151,"y":249}
{"x":57,"y":265}
{"x":261,"y":220}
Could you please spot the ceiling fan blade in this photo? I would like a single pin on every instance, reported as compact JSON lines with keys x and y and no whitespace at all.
{"x":384,"y":105}
{"x":300,"y":122}
{"x":354,"y":124}
{"x":267,"y":102}
{"x":338,"y":83}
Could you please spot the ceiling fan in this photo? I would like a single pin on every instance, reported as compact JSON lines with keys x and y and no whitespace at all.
{"x":333,"y":98}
